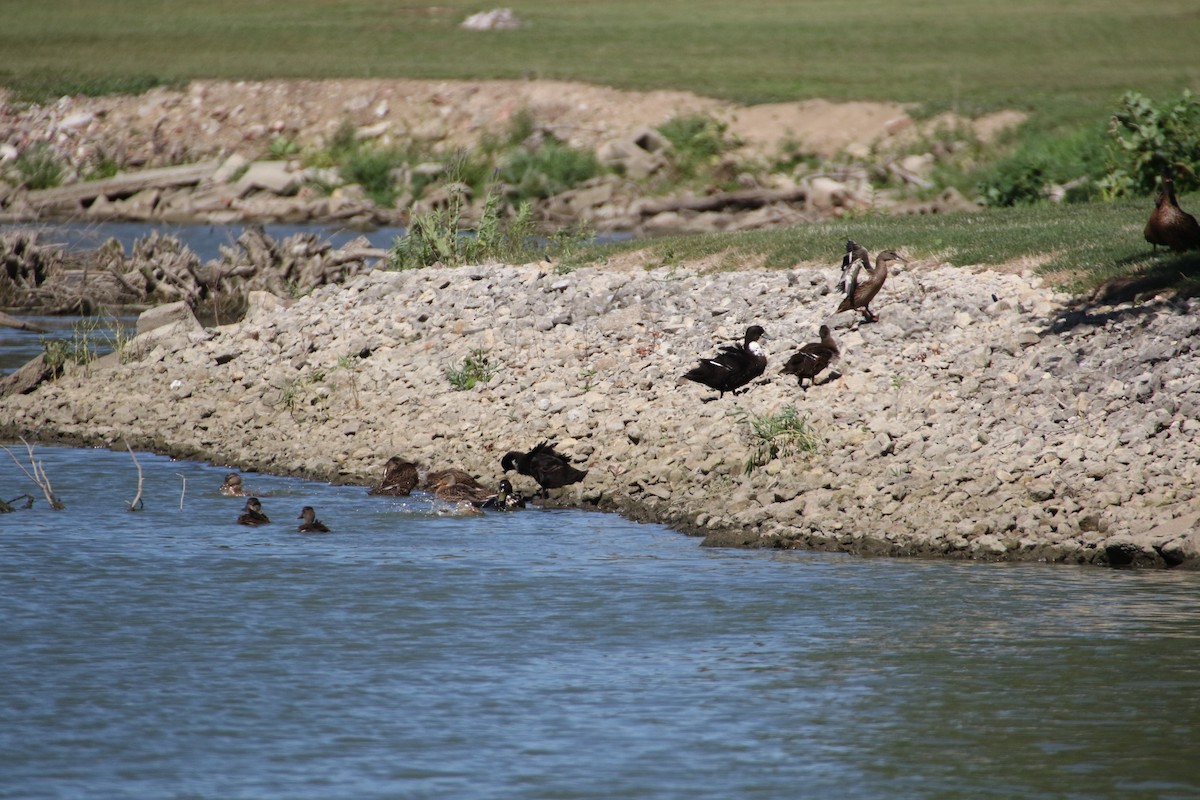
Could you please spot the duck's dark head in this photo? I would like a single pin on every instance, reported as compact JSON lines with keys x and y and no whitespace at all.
{"x":888,"y":257}
{"x":307,"y":514}
{"x":252,"y":504}
{"x":510,"y":460}
{"x":505,"y":487}
{"x":754,"y":333}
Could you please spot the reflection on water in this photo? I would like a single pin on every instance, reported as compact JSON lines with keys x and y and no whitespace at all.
{"x":540,"y":654}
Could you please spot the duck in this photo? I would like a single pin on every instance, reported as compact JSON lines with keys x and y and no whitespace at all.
{"x":855,"y":253}
{"x":431,"y":480}
{"x":232,"y":487}
{"x":811,"y":359}
{"x":549,"y":468}
{"x":506,"y":498}
{"x":1169,"y":225}
{"x":457,"y":486}
{"x":734,"y":366}
{"x":311,"y":524}
{"x":860,"y":294}
{"x":252,"y":513}
{"x":400,"y":477}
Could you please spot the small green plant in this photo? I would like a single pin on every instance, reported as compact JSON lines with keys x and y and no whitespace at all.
{"x":552,"y":168}
{"x":281,"y":147}
{"x":81,"y":347}
{"x":777,"y":435}
{"x":39,"y":167}
{"x":475,"y":368}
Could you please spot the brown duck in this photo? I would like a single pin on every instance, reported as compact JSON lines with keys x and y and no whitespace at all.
{"x":860,"y":293}
{"x":309,"y":522}
{"x":252,"y":513}
{"x":399,"y":478}
{"x":812,"y":358}
{"x":1169,"y":225}
{"x":456,"y":486}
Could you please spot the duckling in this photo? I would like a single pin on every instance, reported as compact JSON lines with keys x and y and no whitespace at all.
{"x":399,"y":478}
{"x":859,"y":295}
{"x":252,"y":513}
{"x":550,"y":469}
{"x":733,"y":367}
{"x":232,"y":487}
{"x":505,"y":499}
{"x":812,"y":358}
{"x":1169,"y":225}
{"x":855,"y":254}
{"x":310,"y":524}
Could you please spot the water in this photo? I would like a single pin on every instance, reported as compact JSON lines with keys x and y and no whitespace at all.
{"x":554,"y":654}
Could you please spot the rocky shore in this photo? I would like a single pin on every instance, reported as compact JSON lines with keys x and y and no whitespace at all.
{"x":983,"y":417}
{"x":222,"y":152}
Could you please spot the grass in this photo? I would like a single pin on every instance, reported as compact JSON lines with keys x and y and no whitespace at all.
{"x":1078,"y":245}
{"x":1068,"y":58}
{"x":475,"y":368}
{"x":778,"y":435}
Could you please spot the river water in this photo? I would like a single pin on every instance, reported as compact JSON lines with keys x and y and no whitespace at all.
{"x":171,"y":653}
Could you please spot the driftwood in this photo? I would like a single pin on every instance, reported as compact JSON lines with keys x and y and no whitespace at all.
{"x":742,"y":200}
{"x":8,"y":321}
{"x":120,"y":185}
{"x":38,"y":476}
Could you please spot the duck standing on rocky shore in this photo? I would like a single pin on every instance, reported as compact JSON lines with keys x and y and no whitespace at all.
{"x":859,"y":294}
{"x":400,"y":477}
{"x":310,"y":523}
{"x":855,"y":254}
{"x":811,"y":359}
{"x":734,"y":366}
{"x":549,"y":468}
{"x":252,"y":513}
{"x":1169,"y":225}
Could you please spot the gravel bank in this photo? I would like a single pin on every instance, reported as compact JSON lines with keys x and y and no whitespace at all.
{"x":980,"y":418}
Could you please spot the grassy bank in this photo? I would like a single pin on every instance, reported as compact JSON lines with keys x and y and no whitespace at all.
{"x":1077,"y":247}
{"x":1067,"y":59}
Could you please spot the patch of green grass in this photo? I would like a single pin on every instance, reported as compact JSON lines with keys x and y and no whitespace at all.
{"x":779,"y":435}
{"x":549,"y":169}
{"x":1059,"y":58}
{"x":39,"y":168}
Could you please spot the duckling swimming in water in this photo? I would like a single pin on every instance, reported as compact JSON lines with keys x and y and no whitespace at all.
{"x":734,"y":366}
{"x":399,"y":478}
{"x":310,"y":522}
{"x":232,"y":487}
{"x":252,"y":513}
{"x":505,"y":499}
{"x":812,"y":358}
{"x":550,"y":469}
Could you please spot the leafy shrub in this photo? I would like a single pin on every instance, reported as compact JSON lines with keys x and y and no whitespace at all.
{"x":1145,"y":138}
{"x":552,"y":168}
{"x":697,"y":141}
{"x":1074,"y":159}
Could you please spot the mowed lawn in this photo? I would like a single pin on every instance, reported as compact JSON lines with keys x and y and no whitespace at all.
{"x":1066,"y":58}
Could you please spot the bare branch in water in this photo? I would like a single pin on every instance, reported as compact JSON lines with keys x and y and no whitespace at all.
{"x":137,"y":504}
{"x":38,"y":475}
{"x":183,"y":491}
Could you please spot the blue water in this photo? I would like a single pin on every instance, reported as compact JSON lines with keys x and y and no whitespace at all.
{"x":172,"y":653}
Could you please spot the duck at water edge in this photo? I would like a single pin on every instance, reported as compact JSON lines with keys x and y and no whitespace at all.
{"x":505,"y":499}
{"x":550,"y":469}
{"x":399,"y":478}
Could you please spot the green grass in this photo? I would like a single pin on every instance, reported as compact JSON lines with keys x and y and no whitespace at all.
{"x":1065,"y":59}
{"x":1076,"y":246}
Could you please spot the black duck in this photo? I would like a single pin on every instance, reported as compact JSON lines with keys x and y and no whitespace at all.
{"x":550,"y":469}
{"x":310,"y":523}
{"x":734,"y":366}
{"x":252,"y":513}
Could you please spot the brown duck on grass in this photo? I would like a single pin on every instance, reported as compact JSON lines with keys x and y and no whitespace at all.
{"x":310,"y":523}
{"x":551,"y":469}
{"x":860,"y":293}
{"x":399,"y":478}
{"x":733,"y":367}
{"x":812,"y":358}
{"x":1169,"y":225}
{"x":252,"y":513}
